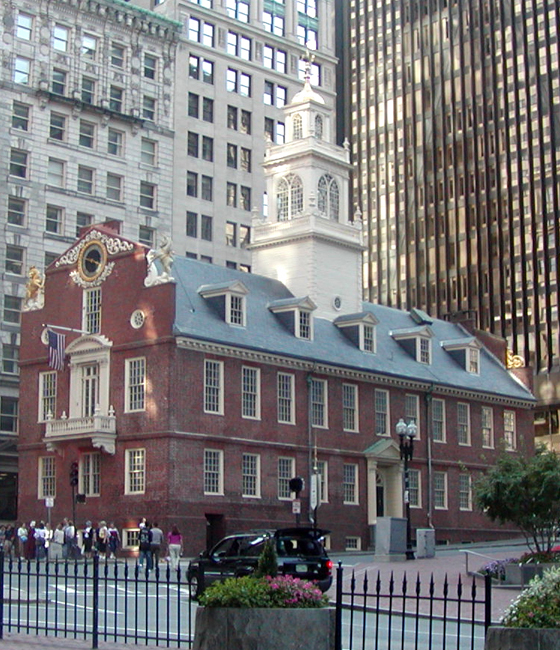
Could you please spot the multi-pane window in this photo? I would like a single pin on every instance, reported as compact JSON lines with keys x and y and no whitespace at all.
{"x":9,"y":410}
{"x":236,"y":311}
{"x":88,"y":90}
{"x":322,"y":481}
{"x":146,"y":236}
{"x":286,"y":406}
{"x":116,"y":99}
{"x":61,"y":36}
{"x":350,"y":483}
{"x":135,"y":471}
{"x":12,"y":309}
{"x":54,"y":220}
{"x":20,"y":116}
{"x":19,"y":163}
{"x":47,"y":477}
{"x":273,"y":20}
{"x":487,"y":418}
{"x":213,"y":386}
{"x":24,"y":26}
{"x":115,"y":140}
{"x":368,"y":337}
{"x":274,"y":59}
{"x":424,"y":350}
{"x":213,"y":471}
{"x":92,"y":310}
{"x":463,"y":424}
{"x":250,"y":393}
{"x":289,"y":197}
{"x":17,"y":210}
{"x":238,"y":9}
{"x":47,"y":395}
{"x":349,"y":407}
{"x":509,"y":430}
{"x":114,"y":187}
{"x":414,"y":493}
{"x":136,"y":384}
{"x":239,"y":46}
{"x":150,"y":66}
{"x":201,"y":67}
{"x":328,"y":197}
{"x":318,"y":395}
{"x":87,"y":134}
{"x":238,"y":82}
{"x":148,"y":152}
{"x":14,"y":259}
{"x":10,"y":357}
{"x":147,"y":195}
{"x":465,"y":492}
{"x":297,"y":127}
{"x":274,"y":94}
{"x":117,"y":55}
{"x":85,"y":179}
{"x":440,"y":490}
{"x":57,"y":127}
{"x":307,"y":7}
{"x":22,"y":70}
{"x":148,"y":108}
{"x":286,"y":471}
{"x":411,"y":410}
{"x":438,"y":420}
{"x":307,"y":36}
{"x":89,"y":47}
{"x":473,"y":360}
{"x":250,"y":475}
{"x":90,"y":474}
{"x":201,"y":32}
{"x":275,"y":131}
{"x":304,"y":324}
{"x":82,"y":220}
{"x":55,"y":172}
{"x":381,"y":400}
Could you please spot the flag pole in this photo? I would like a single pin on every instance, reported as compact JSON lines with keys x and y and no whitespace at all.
{"x":66,"y":329}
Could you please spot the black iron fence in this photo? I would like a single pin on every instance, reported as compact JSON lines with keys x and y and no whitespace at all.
{"x":409,"y":615}
{"x":117,"y":601}
{"x":97,"y":600}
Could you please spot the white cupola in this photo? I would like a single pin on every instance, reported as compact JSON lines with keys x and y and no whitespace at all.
{"x":307,"y":239}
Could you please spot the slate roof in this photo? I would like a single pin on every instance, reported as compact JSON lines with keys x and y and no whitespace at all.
{"x":197,"y":318}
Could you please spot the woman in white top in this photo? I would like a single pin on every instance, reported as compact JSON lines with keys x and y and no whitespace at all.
{"x":57,"y":544}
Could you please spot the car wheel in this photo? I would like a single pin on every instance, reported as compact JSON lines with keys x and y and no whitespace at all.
{"x":193,"y":587}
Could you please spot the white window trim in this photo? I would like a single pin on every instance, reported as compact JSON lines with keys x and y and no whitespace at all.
{"x":471,"y":350}
{"x":387,"y":413}
{"x":220,"y":365}
{"x":127,"y":488}
{"x":257,"y":478}
{"x":126,"y":534}
{"x":470,"y":506}
{"x":325,"y":424}
{"x":445,"y":495}
{"x":492,"y":442}
{"x":292,"y":472}
{"x":257,"y":371}
{"x":324,"y":496}
{"x":41,"y":415}
{"x":418,"y":473}
{"x":88,"y":350}
{"x":127,"y":386}
{"x":419,"y":341}
{"x":416,"y":415}
{"x":362,"y":338}
{"x":356,"y":428}
{"x":358,"y":541}
{"x":292,"y":398}
{"x":220,"y":491}
{"x":356,"y":501}
{"x":297,"y":328}
{"x":513,"y":447}
{"x":444,"y":422}
{"x":40,"y":491}
{"x":229,"y":296}
{"x":468,"y":410}
{"x":88,"y":492}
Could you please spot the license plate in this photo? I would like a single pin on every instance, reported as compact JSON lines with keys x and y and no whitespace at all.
{"x":301,"y":568}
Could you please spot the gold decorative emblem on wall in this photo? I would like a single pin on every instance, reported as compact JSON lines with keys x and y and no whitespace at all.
{"x":514,"y":360}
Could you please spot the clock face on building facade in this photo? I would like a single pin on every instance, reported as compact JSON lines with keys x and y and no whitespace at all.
{"x":92,"y":261}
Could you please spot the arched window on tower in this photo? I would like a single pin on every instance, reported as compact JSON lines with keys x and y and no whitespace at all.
{"x":289,"y":197}
{"x":328,"y":197}
{"x":297,"y":123}
{"x":318,"y":127}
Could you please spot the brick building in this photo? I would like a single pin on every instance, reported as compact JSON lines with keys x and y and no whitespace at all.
{"x":194,"y":393}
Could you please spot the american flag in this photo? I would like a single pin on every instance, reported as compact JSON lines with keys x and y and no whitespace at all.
{"x":57,"y":343}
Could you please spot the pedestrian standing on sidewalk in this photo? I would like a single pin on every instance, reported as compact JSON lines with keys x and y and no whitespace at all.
{"x":88,"y":535}
{"x":69,"y":548}
{"x":156,"y":544}
{"x":175,"y":545}
{"x":57,"y":544}
{"x":29,"y":551}
{"x":145,"y":546}
{"x":40,"y":541}
{"x":22,"y":533}
{"x":114,"y":540}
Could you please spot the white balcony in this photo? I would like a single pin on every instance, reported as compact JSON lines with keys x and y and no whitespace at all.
{"x":100,"y":429}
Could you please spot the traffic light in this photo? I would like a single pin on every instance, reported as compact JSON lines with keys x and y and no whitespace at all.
{"x":74,"y":474}
{"x":80,"y":498}
{"x":297,"y":485}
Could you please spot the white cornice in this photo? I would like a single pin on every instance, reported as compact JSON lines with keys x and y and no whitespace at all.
{"x":308,"y":365}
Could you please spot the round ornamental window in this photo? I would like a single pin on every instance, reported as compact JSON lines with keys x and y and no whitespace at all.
{"x":337,"y":303}
{"x":137,"y":319}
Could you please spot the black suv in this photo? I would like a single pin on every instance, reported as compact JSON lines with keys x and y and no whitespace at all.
{"x":300,"y":554}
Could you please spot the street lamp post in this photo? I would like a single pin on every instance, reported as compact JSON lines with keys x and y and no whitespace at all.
{"x":407,"y":433}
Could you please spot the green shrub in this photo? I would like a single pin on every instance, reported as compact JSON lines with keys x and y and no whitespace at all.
{"x":268,"y":560}
{"x":538,"y":605}
{"x":250,"y":591}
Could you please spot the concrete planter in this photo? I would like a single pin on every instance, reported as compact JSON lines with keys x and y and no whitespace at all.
{"x":511,"y":638}
{"x":231,"y":628}
{"x":520,"y":574}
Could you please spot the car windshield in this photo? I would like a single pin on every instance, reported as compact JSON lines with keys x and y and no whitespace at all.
{"x":234,"y":546}
{"x":291,"y":545}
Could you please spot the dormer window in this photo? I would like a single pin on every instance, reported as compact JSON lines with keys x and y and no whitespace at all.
{"x":417,"y":341}
{"x":296,"y":314}
{"x":360,"y":329}
{"x":297,"y":123}
{"x":466,"y":352}
{"x":228,"y":299}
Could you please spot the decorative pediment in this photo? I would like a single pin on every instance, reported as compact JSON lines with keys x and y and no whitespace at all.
{"x":89,"y":343}
{"x":386,"y":449}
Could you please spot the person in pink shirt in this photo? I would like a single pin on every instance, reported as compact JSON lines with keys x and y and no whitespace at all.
{"x":175,"y":545}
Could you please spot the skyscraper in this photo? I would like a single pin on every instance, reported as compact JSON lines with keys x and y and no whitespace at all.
{"x":453,"y":115}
